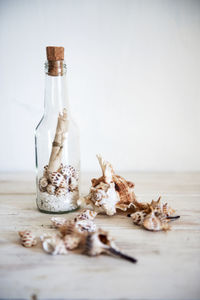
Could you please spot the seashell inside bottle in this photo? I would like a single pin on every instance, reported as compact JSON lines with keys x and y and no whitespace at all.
{"x":57,"y":142}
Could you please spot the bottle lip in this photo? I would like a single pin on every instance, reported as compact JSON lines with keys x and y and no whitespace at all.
{"x":55,"y":67}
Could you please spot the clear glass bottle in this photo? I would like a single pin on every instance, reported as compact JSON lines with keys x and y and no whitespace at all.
{"x":57,"y":142}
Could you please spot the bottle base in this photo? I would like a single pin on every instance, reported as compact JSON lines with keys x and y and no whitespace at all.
{"x":58,"y":212}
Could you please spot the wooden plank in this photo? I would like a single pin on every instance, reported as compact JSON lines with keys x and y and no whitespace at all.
{"x":168,"y":262}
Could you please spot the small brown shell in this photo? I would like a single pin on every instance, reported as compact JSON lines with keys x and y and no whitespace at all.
{"x":27,"y":238}
{"x":43,"y":182}
{"x":56,"y":178}
{"x":51,"y":189}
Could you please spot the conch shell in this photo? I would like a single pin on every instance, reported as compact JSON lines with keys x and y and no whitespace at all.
{"x":154,"y":216}
{"x":110,"y":191}
{"x":100,"y":242}
{"x":84,"y":221}
{"x":27,"y":238}
{"x":155,"y":223}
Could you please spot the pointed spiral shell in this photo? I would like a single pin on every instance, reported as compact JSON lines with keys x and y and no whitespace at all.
{"x":27,"y":238}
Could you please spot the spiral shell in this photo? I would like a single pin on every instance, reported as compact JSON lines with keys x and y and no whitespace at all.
{"x":53,"y":244}
{"x":51,"y":189}
{"x":43,"y":182}
{"x":27,"y":238}
{"x":56,"y":178}
{"x":68,"y":171}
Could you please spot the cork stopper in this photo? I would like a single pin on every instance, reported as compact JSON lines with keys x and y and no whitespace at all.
{"x":55,"y":53}
{"x":55,"y":64}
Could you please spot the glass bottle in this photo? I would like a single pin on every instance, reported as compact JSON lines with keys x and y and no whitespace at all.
{"x":56,"y":142}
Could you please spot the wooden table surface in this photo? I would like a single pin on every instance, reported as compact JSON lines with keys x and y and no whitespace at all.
{"x":168,"y":262}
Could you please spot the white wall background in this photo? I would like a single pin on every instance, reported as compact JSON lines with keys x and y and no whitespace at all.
{"x":133,"y":76}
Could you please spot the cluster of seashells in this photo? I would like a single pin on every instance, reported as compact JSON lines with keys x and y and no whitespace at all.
{"x":154,"y":216}
{"x":59,"y":183}
{"x":112,"y":192}
{"x":79,"y":233}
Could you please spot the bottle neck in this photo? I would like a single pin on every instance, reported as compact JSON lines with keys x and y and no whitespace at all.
{"x":56,"y":97}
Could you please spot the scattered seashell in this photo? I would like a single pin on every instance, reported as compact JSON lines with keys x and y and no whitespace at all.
{"x":78,"y":224}
{"x":56,"y":178}
{"x":27,"y":238}
{"x":155,"y":223}
{"x":51,"y":189}
{"x":58,"y":221}
{"x":86,"y":214}
{"x":85,"y":225}
{"x":61,"y":191}
{"x":53,"y":244}
{"x":100,"y":242}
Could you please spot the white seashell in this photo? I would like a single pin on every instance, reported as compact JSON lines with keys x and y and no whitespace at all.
{"x":56,"y":178}
{"x":68,"y":171}
{"x":27,"y":238}
{"x":103,"y":198}
{"x":61,"y":191}
{"x":53,"y":244}
{"x":58,"y":221}
{"x":51,"y":189}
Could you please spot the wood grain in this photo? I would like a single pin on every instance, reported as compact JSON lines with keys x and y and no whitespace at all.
{"x":168,"y":262}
